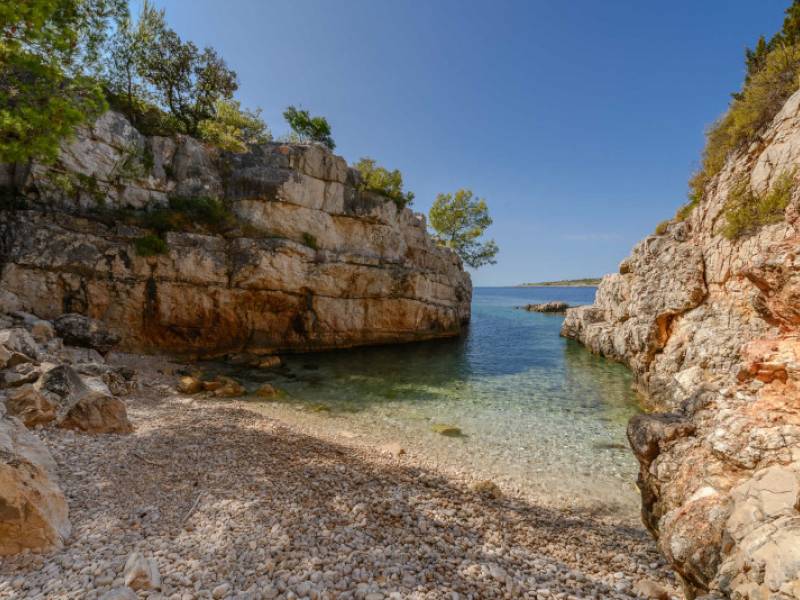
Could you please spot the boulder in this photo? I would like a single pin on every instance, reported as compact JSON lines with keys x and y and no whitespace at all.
{"x":84,"y":403}
{"x":30,"y":406}
{"x":78,"y":330}
{"x":33,"y":510}
{"x":19,"y":341}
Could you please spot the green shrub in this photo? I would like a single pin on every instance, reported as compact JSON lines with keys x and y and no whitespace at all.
{"x":232,"y":128}
{"x":745,"y":211}
{"x":150,"y":245}
{"x":382,"y":181}
{"x":310,"y":241}
{"x":308,"y":128}
{"x":661,"y":228}
{"x":184,"y":214}
{"x":773,"y":74}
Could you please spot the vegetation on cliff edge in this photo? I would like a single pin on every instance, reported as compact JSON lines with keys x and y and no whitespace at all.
{"x":459,"y":221}
{"x":772,"y":75}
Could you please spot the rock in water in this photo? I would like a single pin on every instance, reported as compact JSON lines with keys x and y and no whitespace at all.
{"x":547,"y":307}
{"x":33,"y":511}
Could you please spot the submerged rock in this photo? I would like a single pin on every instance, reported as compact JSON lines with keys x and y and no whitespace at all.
{"x":447,"y":430}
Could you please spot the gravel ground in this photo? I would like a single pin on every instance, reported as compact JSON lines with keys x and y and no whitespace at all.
{"x":232,"y":504}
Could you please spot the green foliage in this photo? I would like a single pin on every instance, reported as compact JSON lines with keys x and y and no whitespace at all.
{"x":384,"y":182}
{"x":184,"y":79}
{"x":310,"y":241}
{"x":308,"y":128}
{"x":746,"y":211}
{"x":150,"y":245}
{"x":772,"y":75}
{"x":201,"y":214}
{"x":46,"y":46}
{"x":661,"y":228}
{"x":232,"y":128}
{"x":459,"y":220}
{"x":126,"y":57}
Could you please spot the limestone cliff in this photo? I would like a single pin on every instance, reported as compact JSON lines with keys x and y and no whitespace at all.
{"x":307,"y":262}
{"x":711,"y":329}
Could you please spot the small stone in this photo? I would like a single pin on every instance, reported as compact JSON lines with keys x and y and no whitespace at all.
{"x":487,"y":488}
{"x":119,"y":593}
{"x":269,"y":362}
{"x":220,"y":591}
{"x":141,"y":573}
{"x":650,"y":590}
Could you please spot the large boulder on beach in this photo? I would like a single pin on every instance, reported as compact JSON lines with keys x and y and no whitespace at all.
{"x":33,"y":511}
{"x":85,"y":404}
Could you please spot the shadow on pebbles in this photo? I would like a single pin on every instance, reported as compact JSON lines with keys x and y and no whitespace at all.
{"x":227,"y":503}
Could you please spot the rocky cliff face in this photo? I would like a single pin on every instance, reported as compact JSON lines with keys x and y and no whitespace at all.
{"x":711,"y":329}
{"x":307,"y":261}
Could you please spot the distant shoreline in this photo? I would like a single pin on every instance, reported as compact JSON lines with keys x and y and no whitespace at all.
{"x":589,"y":282}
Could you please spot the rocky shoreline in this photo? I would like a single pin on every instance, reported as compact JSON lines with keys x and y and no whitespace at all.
{"x":231,"y":504}
{"x":710,"y":328}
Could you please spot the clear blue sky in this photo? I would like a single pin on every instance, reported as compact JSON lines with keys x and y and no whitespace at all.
{"x":578,"y":121}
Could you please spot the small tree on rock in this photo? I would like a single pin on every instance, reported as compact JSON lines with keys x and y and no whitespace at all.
{"x":385,"y":182}
{"x":459,"y":220}
{"x":308,"y":128}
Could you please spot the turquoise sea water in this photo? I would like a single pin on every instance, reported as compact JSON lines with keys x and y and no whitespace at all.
{"x":538,"y":412}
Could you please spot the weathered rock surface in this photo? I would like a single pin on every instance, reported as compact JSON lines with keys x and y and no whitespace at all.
{"x":547,"y":307}
{"x":33,"y":511}
{"x":310,"y":263}
{"x":711,"y":329}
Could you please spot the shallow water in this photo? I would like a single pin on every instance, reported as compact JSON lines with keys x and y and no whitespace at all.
{"x":538,"y":412}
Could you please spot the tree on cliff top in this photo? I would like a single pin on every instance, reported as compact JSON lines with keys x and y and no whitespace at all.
{"x":459,"y":220}
{"x":186,"y":80}
{"x":308,"y":128}
{"x":47,"y":50}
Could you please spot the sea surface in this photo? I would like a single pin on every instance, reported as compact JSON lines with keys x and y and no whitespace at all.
{"x":539,"y":414}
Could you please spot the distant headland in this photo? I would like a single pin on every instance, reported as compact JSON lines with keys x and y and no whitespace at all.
{"x":589,"y":282}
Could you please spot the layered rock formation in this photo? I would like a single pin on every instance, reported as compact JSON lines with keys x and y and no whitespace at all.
{"x":307,"y":262}
{"x":711,"y":329}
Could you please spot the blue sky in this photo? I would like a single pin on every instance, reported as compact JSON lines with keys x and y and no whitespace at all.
{"x":578,"y":121}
